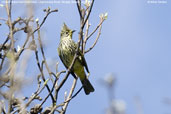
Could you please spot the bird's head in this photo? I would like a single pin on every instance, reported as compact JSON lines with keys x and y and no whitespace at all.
{"x":66,"y":32}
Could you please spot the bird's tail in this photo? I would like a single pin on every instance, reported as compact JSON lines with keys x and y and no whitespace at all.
{"x":87,"y":86}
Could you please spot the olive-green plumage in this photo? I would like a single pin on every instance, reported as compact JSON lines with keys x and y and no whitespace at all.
{"x":66,"y":50}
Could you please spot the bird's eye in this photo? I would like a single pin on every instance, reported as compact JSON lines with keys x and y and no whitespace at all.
{"x":66,"y":32}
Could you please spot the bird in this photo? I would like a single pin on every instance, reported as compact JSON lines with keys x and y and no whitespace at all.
{"x":66,"y":51}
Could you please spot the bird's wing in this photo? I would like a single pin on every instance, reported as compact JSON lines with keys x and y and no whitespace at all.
{"x":83,"y":61}
{"x":63,"y":61}
{"x":73,"y":74}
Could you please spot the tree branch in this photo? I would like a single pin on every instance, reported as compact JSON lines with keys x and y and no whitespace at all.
{"x":69,"y":96}
{"x":98,"y":35}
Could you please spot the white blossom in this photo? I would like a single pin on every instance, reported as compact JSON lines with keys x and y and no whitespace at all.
{"x":37,"y":19}
{"x":18,"y":48}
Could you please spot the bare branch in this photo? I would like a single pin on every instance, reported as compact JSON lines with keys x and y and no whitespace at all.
{"x":79,"y":8}
{"x":99,"y":32}
{"x":89,"y":11}
{"x":101,"y":22}
{"x":10,"y":23}
{"x":42,"y":51}
{"x":34,"y":95}
{"x":42,"y":74}
{"x":98,"y":35}
{"x":44,"y":19}
{"x":50,"y":92}
{"x":12,"y":45}
{"x":69,"y":96}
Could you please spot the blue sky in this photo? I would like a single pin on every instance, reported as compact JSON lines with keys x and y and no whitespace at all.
{"x":134,"y":45}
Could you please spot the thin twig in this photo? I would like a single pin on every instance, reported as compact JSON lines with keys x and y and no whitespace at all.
{"x":55,"y":107}
{"x":23,"y":47}
{"x":98,"y":35}
{"x":79,"y":8}
{"x":44,"y":19}
{"x":91,"y":6}
{"x":74,"y":95}
{"x":62,"y":104}
{"x":42,"y":75}
{"x":10,"y":22}
{"x":101,"y":22}
{"x":12,"y":46}
{"x":35,"y":95}
{"x":86,"y":34}
{"x":42,"y":51}
{"x":69,"y":96}
{"x":30,"y":34}
{"x":51,"y":90}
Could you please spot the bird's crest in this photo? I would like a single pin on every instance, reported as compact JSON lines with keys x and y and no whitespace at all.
{"x":64,"y":27}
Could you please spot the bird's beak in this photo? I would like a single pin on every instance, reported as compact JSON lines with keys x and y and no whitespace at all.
{"x":73,"y":31}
